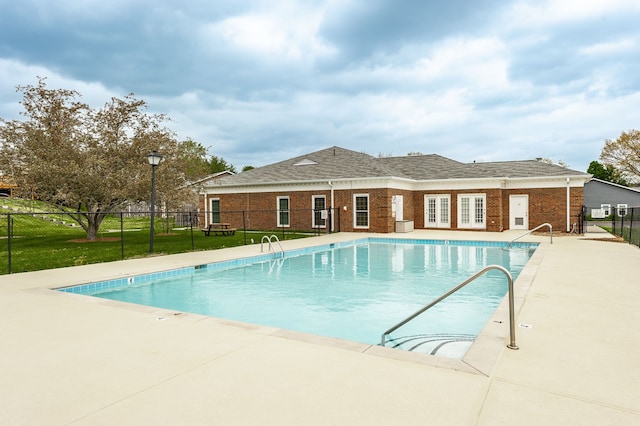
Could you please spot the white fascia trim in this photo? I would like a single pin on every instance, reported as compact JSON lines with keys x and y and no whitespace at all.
{"x":315,"y":185}
{"x":575,"y":181}
{"x":500,"y":183}
{"x":392,"y":182}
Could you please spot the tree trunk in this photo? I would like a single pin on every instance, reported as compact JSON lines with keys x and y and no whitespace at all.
{"x":93,"y":224}
{"x":92,"y":231}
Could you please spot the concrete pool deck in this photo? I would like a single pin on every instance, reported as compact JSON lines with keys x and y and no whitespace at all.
{"x":70,"y":359}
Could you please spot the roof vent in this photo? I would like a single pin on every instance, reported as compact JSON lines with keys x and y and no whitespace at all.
{"x":305,"y":162}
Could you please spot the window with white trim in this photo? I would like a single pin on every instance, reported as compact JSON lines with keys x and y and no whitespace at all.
{"x":606,"y":209}
{"x":437,"y":211}
{"x":622,"y":209}
{"x":361,"y":211}
{"x":283,"y":212}
{"x":319,"y":218}
{"x":472,"y":211}
{"x":215,"y":210}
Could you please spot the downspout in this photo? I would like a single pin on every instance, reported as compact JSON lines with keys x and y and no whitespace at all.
{"x":568,"y":205}
{"x":205,"y":201}
{"x":332,"y":210}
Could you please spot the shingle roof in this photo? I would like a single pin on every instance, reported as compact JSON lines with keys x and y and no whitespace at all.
{"x":339,"y":163}
{"x":520,"y":169}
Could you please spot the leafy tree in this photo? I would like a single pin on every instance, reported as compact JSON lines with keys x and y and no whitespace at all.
{"x":247,"y":168}
{"x":219,"y":164}
{"x":88,"y":160}
{"x":607,"y":173}
{"x":624,"y":154}
{"x":194,"y":156}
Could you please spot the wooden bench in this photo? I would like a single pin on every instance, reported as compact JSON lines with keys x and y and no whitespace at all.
{"x":218,"y":229}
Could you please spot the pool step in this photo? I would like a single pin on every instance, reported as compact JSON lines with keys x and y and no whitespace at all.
{"x":447,"y":345}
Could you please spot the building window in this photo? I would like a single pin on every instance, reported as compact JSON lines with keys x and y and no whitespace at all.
{"x":622,"y":209}
{"x":319,"y":203}
{"x":472,"y":211}
{"x":215,"y":210}
{"x":283,"y":212}
{"x":361,"y":211}
{"x":606,"y":209}
{"x":437,"y":211}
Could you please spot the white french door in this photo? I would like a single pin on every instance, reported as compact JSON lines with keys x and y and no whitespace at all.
{"x":472,"y":211}
{"x":437,"y":211}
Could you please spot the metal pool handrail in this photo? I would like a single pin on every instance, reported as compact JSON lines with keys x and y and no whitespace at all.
{"x":512,"y":327}
{"x":270,"y":240}
{"x":533,"y":230}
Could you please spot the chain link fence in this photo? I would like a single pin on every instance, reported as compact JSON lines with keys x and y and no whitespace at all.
{"x":623,"y":222}
{"x":36,"y":240}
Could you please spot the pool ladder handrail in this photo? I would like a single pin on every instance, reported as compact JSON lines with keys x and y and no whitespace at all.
{"x":270,"y":241}
{"x":512,"y":328}
{"x":533,"y":230}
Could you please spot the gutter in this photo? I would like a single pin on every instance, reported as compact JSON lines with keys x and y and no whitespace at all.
{"x":332,"y":206}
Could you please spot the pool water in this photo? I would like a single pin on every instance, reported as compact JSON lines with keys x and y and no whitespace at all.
{"x":352,"y":292}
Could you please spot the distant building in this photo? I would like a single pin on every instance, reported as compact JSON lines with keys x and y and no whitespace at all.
{"x":337,"y":189}
{"x":602,"y":198}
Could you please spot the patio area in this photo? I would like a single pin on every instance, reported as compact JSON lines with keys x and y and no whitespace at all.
{"x":75,"y":360}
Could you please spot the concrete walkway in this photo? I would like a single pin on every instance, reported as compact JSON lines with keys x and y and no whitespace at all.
{"x":70,"y":359}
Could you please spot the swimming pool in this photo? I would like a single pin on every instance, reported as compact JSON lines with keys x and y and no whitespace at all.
{"x":353,"y":290}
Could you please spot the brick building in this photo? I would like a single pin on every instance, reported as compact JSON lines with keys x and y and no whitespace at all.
{"x":336,"y":189}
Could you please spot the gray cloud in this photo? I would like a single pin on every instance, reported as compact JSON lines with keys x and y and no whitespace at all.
{"x":261,"y":81}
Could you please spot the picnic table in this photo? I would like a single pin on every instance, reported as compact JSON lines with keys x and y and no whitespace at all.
{"x":219,"y":229}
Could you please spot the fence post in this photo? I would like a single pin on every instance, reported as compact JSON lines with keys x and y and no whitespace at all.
{"x":613,"y":220}
{"x":9,"y":241}
{"x":638,"y":217}
{"x":244,"y":227}
{"x":191,"y":216}
{"x":122,"y":235}
{"x":630,"y":226}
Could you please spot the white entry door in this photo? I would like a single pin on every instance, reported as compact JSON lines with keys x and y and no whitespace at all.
{"x":518,"y":212}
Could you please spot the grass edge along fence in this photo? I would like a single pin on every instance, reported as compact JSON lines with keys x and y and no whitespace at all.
{"x":625,"y":223}
{"x":622,"y":222}
{"x":39,"y":240}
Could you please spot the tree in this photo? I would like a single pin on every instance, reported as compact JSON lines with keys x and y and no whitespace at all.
{"x":194,"y":156}
{"x":624,"y":154}
{"x":247,"y":168}
{"x":219,"y":164}
{"x":607,"y":173}
{"x":92,"y":161}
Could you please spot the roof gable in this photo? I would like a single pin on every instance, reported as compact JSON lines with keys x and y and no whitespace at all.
{"x":613,"y":185}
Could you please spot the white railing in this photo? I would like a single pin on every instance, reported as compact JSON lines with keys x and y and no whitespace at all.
{"x":512,"y":327}
{"x":533,"y":230}
{"x":270,"y":241}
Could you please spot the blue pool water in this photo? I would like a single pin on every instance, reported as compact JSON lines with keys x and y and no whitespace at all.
{"x":353,"y":291}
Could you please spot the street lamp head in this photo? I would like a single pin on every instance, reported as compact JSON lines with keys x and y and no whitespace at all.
{"x":154,"y":158}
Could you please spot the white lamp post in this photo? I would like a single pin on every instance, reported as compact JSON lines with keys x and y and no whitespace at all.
{"x":154,"y":159}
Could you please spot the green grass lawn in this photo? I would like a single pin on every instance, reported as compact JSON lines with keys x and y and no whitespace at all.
{"x":42,"y":241}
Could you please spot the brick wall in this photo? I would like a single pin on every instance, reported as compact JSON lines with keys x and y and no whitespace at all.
{"x":258,"y":210}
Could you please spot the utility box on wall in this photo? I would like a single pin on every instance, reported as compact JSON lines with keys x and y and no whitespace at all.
{"x":404,"y":226}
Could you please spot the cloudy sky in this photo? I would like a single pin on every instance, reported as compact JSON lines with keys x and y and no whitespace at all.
{"x":260,"y":81}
